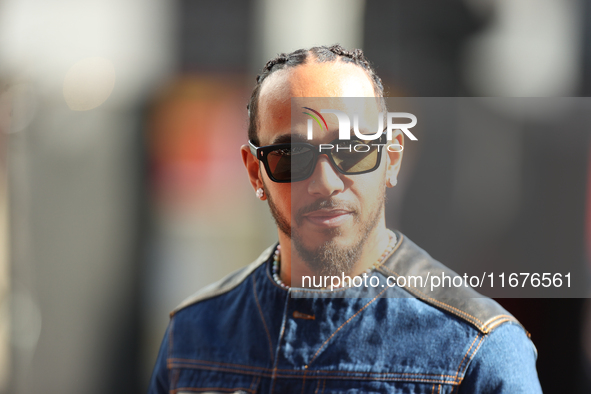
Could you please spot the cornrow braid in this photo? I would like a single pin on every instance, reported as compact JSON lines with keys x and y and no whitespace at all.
{"x":321,"y":54}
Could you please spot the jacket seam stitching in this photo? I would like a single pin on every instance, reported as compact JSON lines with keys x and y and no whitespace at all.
{"x":466,"y":355}
{"x":418,"y":377}
{"x":342,"y":325}
{"x":255,"y":382}
{"x":256,"y":298}
{"x":173,"y":362}
{"x":463,"y":373}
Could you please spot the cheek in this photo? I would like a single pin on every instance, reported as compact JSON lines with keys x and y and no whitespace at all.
{"x":281,"y":194}
{"x":371,"y":183}
{"x":369,"y":189}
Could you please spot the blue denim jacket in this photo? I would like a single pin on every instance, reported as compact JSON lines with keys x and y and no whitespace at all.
{"x":246,"y":334}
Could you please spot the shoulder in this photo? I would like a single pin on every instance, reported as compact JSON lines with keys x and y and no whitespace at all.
{"x":504,"y":361}
{"x":226,"y":284}
{"x":498,"y":356}
{"x":419,"y":269}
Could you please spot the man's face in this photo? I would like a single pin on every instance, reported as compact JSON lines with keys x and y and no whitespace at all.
{"x":329,"y":215}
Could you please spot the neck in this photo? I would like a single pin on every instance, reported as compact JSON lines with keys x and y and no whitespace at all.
{"x":293,"y":268}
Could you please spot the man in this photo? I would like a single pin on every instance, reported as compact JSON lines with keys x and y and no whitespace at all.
{"x":266,"y":329}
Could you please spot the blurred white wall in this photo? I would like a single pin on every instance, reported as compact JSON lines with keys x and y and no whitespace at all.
{"x":532,"y":48}
{"x":5,"y":352}
{"x":41,"y":40}
{"x":77,"y":73}
{"x":284,"y":25}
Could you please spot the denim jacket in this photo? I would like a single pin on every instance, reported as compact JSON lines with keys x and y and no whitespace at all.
{"x":246,"y":334}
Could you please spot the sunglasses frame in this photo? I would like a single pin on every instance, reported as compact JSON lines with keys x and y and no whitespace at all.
{"x":261,"y":153}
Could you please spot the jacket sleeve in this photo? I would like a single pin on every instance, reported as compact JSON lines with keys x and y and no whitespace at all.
{"x":504,"y":363}
{"x":159,"y":384}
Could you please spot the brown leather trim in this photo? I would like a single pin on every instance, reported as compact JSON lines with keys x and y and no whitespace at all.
{"x":408,"y":259}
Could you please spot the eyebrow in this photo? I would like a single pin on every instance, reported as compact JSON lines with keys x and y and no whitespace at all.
{"x":293,"y":137}
{"x":288,"y":138}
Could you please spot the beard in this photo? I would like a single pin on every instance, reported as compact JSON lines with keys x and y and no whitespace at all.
{"x":330,"y":258}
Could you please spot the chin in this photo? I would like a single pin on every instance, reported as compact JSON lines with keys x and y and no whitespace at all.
{"x":314,"y":238}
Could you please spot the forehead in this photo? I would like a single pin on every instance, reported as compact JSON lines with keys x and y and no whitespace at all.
{"x":332,"y":80}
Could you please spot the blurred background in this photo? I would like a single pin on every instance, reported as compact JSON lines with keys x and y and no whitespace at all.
{"x":122,"y":190}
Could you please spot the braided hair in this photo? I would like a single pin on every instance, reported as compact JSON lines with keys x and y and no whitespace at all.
{"x":321,"y":54}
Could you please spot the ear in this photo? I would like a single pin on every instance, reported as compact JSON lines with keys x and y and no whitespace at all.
{"x":394,"y":158}
{"x":252,"y":168}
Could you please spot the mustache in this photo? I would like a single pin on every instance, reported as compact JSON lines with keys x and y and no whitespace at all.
{"x":332,"y":203}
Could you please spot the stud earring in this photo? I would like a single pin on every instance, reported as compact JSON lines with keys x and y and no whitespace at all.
{"x":260,"y":193}
{"x":391,"y":183}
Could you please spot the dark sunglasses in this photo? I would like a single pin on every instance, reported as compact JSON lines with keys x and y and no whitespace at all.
{"x":296,"y":161}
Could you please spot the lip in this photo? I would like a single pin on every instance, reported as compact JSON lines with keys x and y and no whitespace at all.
{"x":328,"y":217}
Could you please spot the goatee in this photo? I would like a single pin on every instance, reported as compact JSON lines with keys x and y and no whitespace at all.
{"x":330,"y":258}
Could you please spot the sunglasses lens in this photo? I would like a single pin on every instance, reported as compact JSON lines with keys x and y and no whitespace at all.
{"x":296,"y":162}
{"x":355,"y":156}
{"x":293,"y":163}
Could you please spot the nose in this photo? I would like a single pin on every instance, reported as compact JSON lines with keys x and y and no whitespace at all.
{"x":325,"y":180}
